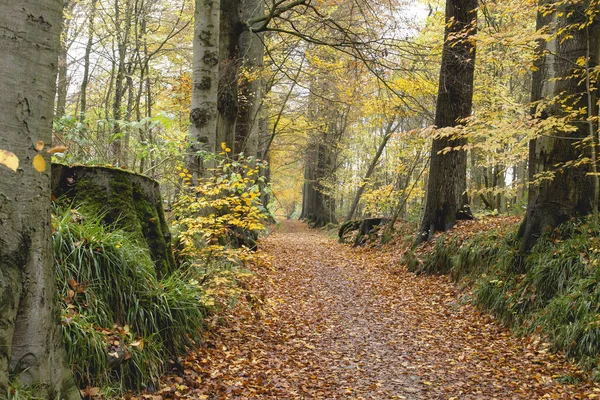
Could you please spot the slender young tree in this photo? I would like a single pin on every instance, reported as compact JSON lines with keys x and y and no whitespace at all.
{"x":203,"y":113}
{"x":31,"y":345}
{"x":63,"y":78}
{"x":389,"y":131}
{"x":569,"y":192}
{"x":446,"y":198}
{"x":86,"y":62}
{"x":123,"y":20}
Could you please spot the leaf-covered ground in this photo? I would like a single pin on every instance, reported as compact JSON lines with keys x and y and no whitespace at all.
{"x":338,"y":322}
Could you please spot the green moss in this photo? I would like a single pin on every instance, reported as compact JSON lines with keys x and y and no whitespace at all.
{"x":155,"y":232}
{"x":119,"y":197}
{"x":121,"y":208}
{"x":89,"y":197}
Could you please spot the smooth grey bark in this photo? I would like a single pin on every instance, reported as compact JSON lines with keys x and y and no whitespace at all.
{"x":252,"y":50}
{"x":570,"y":192}
{"x":229,"y":67}
{"x":122,"y":28}
{"x":86,"y":63}
{"x":203,"y":113}
{"x":31,"y":345}
{"x":446,"y":198}
{"x":63,"y":78}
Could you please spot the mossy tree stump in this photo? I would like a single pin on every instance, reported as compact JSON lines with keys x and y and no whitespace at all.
{"x":126,"y":200}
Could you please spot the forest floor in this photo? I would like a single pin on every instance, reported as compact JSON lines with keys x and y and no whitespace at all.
{"x":338,"y":322}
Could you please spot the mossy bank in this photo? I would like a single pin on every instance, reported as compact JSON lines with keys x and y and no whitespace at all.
{"x":558,"y":295}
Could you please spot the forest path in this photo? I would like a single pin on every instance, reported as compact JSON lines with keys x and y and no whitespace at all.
{"x":351,"y":323}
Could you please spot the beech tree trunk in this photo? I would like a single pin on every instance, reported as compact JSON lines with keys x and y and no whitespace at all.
{"x":247,"y":132}
{"x":86,"y":63}
{"x":63,"y":79}
{"x":31,"y":345}
{"x":229,"y":66}
{"x":203,"y":114}
{"x":122,"y":26}
{"x":318,"y":207}
{"x":571,"y":192}
{"x":446,"y":198}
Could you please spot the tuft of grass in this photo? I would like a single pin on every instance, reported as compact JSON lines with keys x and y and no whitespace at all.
{"x":412,"y":262}
{"x":572,"y":322}
{"x":483,"y":253}
{"x":120,"y":321}
{"x":437,"y":261}
{"x":18,"y":391}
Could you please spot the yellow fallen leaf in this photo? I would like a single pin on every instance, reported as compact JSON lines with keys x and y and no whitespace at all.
{"x":39,"y":163}
{"x":8,"y":159}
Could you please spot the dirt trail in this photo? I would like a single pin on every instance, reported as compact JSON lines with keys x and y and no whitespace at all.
{"x":352,"y":323}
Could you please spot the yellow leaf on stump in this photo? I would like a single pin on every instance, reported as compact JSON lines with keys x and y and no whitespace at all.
{"x":39,"y":163}
{"x":9,"y":160}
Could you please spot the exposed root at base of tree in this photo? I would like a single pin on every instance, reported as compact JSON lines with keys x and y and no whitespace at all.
{"x":338,"y":322}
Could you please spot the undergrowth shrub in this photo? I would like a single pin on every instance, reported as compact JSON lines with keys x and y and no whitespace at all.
{"x":222,"y":215}
{"x":218,"y":221}
{"x":120,"y":322}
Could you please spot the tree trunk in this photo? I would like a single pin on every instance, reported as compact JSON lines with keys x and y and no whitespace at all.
{"x":251,"y":91}
{"x":446,"y":198}
{"x":118,"y":150}
{"x":570,"y":192}
{"x":370,"y":171}
{"x":318,"y":207}
{"x":203,"y":114}
{"x":86,"y":63}
{"x":476,"y":181}
{"x":499,"y":186}
{"x":308,"y":187}
{"x":31,"y":345}
{"x":229,"y":67}
{"x":63,"y":79}
{"x":115,"y":144}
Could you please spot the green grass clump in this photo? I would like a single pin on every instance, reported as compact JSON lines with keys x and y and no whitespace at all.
{"x":440,"y":260}
{"x":120,"y":321}
{"x":572,"y":322}
{"x":19,"y":391}
{"x":437,"y":261}
{"x":486,"y":251}
{"x":412,"y":262}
